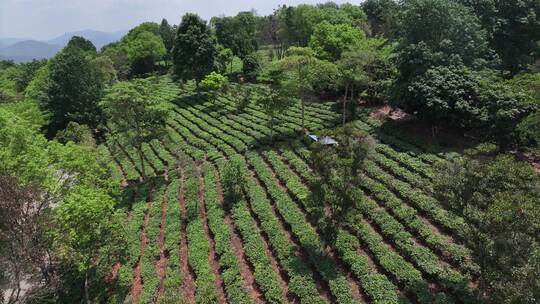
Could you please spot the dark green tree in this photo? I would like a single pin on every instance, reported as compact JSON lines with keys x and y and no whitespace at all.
{"x":167,"y":34}
{"x":74,"y":89}
{"x":274,"y":101}
{"x":499,"y":199}
{"x":513,"y":29}
{"x":237,"y":33}
{"x":82,"y":44}
{"x":194,"y":49}
{"x":135,"y":115}
{"x":143,"y":46}
{"x":382,"y":16}
{"x":338,"y":168}
{"x":224,"y":58}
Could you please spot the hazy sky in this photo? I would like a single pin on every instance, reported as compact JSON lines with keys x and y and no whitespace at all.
{"x":45,"y":19}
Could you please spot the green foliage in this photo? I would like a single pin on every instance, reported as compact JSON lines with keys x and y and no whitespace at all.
{"x":237,"y":33}
{"x":73,"y":90}
{"x":337,"y":169}
{"x":300,"y":74}
{"x":105,"y":67}
{"x":194,"y":49}
{"x":23,"y":153}
{"x":14,"y":78}
{"x":134,"y":113}
{"x":297,"y":24}
{"x":382,"y":16}
{"x":224,"y":58}
{"x":273,"y":103}
{"x":500,"y":198}
{"x":29,"y":112}
{"x":144,"y":46}
{"x":166,"y":31}
{"x":464,"y":99}
{"x":86,"y":224}
{"x":79,"y":134}
{"x":529,"y":131}
{"x":439,"y":41}
{"x":513,"y":28}
{"x":234,"y":182}
{"x":28,"y":71}
{"x":8,"y":84}
{"x":251,"y":65}
{"x":441,"y":31}
{"x":82,"y":44}
{"x":528,"y":84}
{"x":119,"y":57}
{"x":214,"y":83}
{"x":329,"y":41}
{"x":37,"y":88}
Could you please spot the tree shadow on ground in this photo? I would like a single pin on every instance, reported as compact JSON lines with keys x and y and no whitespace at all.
{"x":188,"y":101}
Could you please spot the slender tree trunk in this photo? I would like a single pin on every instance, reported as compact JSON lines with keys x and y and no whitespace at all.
{"x":141,"y":158}
{"x":272,"y":129}
{"x":303,"y":110}
{"x":86,"y":296}
{"x":345,"y":103}
{"x":231,"y":64}
{"x":352,"y":98}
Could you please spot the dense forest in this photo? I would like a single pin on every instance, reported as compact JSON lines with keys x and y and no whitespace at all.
{"x":386,"y":152}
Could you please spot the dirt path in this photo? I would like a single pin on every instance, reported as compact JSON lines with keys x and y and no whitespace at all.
{"x":355,"y":286}
{"x":124,"y":182}
{"x":188,"y":284}
{"x":137,"y":287}
{"x":321,"y":285}
{"x":129,"y":158}
{"x":212,"y":257}
{"x":246,"y":271}
{"x":364,"y":251}
{"x":161,"y":265}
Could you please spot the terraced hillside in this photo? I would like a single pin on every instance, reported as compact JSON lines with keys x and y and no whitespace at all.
{"x":187,"y":246}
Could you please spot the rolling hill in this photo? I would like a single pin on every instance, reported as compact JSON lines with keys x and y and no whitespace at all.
{"x":22,"y":50}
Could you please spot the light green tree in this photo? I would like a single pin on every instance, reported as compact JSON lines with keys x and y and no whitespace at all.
{"x":87,"y":227}
{"x":213,"y":84}
{"x":135,"y":115}
{"x":273,"y":102}
{"x":329,"y":41}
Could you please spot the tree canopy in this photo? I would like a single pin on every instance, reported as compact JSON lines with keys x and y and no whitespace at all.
{"x":73,"y":91}
{"x":194,"y":49}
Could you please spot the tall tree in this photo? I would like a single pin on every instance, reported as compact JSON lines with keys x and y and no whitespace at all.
{"x":382,"y":16}
{"x":74,"y":89}
{"x":82,"y":44}
{"x":351,"y":67}
{"x":439,"y":32}
{"x":194,"y":49}
{"x":224,"y":58}
{"x":143,"y":46}
{"x":237,"y":33}
{"x":87,"y":227}
{"x":338,"y":168}
{"x":499,"y":198}
{"x":300,"y":72}
{"x":330,"y":41}
{"x":167,"y":34}
{"x":273,"y":102}
{"x":135,"y":115}
{"x":513,"y":29}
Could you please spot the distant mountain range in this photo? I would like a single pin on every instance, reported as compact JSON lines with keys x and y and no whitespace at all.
{"x":23,"y":50}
